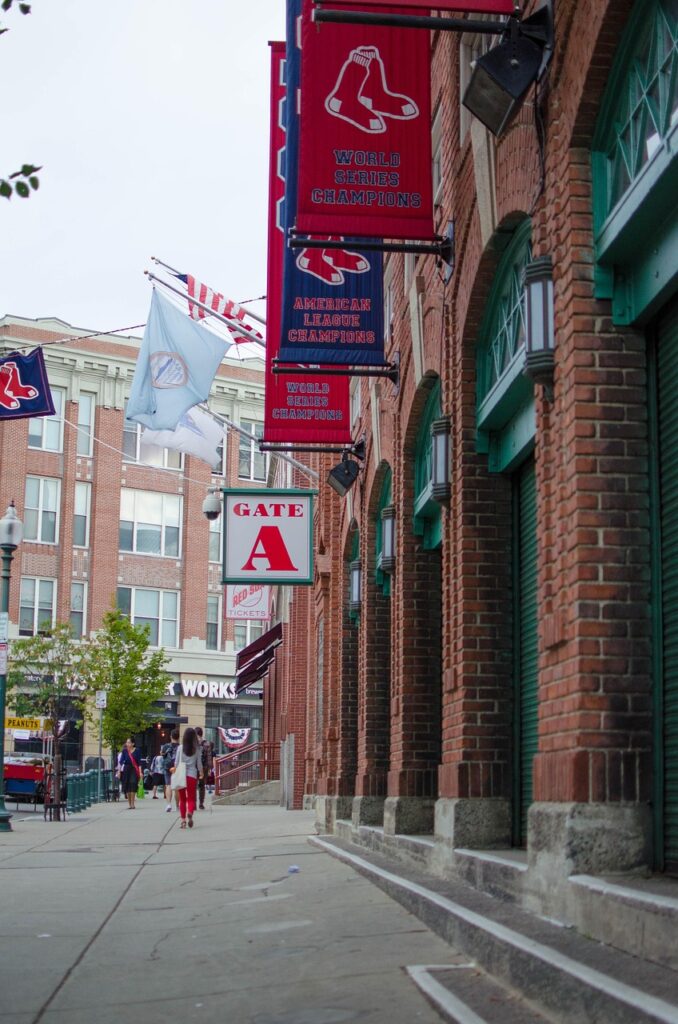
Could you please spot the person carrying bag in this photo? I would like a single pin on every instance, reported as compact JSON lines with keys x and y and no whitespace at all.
{"x":185,"y":774}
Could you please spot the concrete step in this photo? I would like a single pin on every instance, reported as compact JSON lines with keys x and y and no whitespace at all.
{"x":565,"y":975}
{"x":465,"y":994}
{"x":262,"y":793}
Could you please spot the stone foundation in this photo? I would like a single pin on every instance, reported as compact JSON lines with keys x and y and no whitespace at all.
{"x":408,"y":815}
{"x":368,"y":810}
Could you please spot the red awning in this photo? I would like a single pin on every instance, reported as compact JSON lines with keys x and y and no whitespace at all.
{"x":254,"y":660}
{"x":268,"y":640}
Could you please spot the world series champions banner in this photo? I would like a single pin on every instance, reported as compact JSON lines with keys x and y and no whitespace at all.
{"x":296,"y":408}
{"x":333,"y":306}
{"x":365,"y":146}
{"x":460,"y":6}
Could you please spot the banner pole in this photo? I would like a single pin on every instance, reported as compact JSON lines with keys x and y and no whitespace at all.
{"x":224,"y":420}
{"x":239,"y":328}
{"x":490,"y":28}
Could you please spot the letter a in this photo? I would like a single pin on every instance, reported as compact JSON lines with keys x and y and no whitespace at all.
{"x":270,"y":545}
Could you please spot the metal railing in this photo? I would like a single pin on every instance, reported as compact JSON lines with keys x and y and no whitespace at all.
{"x":259,"y":762}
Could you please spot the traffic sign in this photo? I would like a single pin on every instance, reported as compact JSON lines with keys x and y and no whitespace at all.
{"x":100,"y":699}
{"x":4,"y":627}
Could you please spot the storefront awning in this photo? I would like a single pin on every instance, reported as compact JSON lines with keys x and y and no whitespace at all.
{"x":267,"y":641}
{"x":254,"y":660}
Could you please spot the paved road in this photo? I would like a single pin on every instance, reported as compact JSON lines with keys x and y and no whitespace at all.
{"x":118,"y":916}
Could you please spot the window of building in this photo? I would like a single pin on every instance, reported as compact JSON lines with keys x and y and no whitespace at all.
{"x":150,"y":523}
{"x":220,"y":468}
{"x":252,"y":464}
{"x":157,"y":609}
{"x":81,"y":514}
{"x":213,"y":621}
{"x":388,"y":303}
{"x":37,"y":604}
{"x":41,"y":509}
{"x":355,"y":400}
{"x":244,"y":633}
{"x":215,"y":546}
{"x":437,"y":161}
{"x":471,"y":46}
{"x":78,"y":604}
{"x":47,"y":432}
{"x":149,"y":454}
{"x":232,"y":715}
{"x":86,"y":405}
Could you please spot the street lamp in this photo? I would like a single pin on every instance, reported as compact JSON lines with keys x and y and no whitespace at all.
{"x":11,"y":532}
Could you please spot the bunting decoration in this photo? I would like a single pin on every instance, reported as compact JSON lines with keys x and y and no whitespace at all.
{"x":24,"y":388}
{"x":177,"y":363}
{"x":365,"y":142}
{"x":332,"y":298}
{"x":296,"y":409}
{"x":234,"y":737}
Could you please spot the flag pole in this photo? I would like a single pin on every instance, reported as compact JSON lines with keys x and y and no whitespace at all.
{"x":173,"y":270}
{"x":224,"y":420}
{"x":233,"y":324}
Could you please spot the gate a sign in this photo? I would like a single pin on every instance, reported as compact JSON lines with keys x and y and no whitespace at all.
{"x":268,"y":536}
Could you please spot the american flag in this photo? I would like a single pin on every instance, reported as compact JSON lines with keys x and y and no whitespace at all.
{"x":217,"y":302}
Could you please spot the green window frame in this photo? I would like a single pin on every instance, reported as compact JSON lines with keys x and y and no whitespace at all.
{"x":427,"y":511}
{"x":505,"y":415}
{"x":635,"y":167}
{"x":385,"y":499}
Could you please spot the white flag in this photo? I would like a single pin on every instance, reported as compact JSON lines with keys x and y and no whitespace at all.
{"x":196,"y":433}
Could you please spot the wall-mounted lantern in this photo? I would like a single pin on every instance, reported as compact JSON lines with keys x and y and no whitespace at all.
{"x":388,"y":538}
{"x":440,"y":480}
{"x":355,"y":580}
{"x":540,"y":336}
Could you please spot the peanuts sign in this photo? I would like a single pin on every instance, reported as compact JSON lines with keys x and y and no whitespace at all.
{"x":268,"y":536}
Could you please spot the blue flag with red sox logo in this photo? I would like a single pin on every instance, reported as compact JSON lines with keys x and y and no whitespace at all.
{"x":24,"y":388}
{"x":333,"y":307}
{"x":175,"y":368}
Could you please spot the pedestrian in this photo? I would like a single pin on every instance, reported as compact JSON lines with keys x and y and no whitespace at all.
{"x":168,"y":752}
{"x":210,"y":777}
{"x":189,"y":755}
{"x":158,"y":774}
{"x":130,"y":772}
{"x":206,"y":755}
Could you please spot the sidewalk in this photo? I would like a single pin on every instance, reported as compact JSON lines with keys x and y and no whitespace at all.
{"x":112,"y":917}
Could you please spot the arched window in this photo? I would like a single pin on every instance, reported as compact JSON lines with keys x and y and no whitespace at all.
{"x":635,"y":163}
{"x":427,"y":511}
{"x":505,"y":412}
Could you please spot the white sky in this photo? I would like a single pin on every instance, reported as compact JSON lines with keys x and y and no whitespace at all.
{"x":150,"y":120}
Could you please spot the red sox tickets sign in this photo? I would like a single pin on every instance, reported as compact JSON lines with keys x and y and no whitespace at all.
{"x":365,"y":145}
{"x":268,"y":536}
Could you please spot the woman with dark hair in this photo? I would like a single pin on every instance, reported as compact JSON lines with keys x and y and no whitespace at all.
{"x":189,"y":753}
{"x":130,"y":772}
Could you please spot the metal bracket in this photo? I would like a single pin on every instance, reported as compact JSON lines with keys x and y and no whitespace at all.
{"x":442,"y":247}
{"x":358,"y":450}
{"x":390,"y":370}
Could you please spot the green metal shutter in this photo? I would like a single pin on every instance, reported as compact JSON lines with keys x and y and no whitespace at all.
{"x":526,"y":647}
{"x":667,"y":373}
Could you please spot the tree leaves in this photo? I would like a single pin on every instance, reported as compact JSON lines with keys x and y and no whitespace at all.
{"x":20,"y":182}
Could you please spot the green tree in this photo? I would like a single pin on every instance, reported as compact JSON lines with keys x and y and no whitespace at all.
{"x":20,"y":182}
{"x":44,"y":671}
{"x":117,"y":659}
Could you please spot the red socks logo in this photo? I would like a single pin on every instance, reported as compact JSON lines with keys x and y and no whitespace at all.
{"x":11,"y":388}
{"x":362,"y":97}
{"x":330,"y":265}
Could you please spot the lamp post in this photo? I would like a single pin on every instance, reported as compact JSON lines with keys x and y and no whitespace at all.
{"x":11,"y":532}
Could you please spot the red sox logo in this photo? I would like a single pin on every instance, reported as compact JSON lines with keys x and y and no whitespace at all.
{"x":12,"y":390}
{"x":362,"y":97}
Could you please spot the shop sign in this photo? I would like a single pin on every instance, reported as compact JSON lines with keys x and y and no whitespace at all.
{"x":248,"y":601}
{"x":268,"y":536}
{"x":30,"y":724}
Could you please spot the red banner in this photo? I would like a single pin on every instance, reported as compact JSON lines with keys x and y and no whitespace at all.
{"x":461,"y":6}
{"x":300,"y":408}
{"x":365,"y":147}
